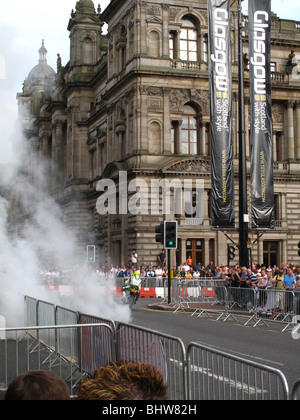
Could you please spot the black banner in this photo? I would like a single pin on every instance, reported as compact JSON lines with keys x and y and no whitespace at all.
{"x":220,"y":114}
{"x":262,"y":190}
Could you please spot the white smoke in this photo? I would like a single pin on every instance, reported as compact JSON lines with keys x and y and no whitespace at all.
{"x":41,"y":238}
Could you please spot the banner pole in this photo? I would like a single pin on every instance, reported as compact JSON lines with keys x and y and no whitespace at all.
{"x":243,"y":200}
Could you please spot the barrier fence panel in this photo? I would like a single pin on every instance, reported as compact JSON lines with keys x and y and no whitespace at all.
{"x":277,"y":305}
{"x":295,"y":395}
{"x":30,"y":309}
{"x":165,"y":352}
{"x":16,"y":357}
{"x":98,"y":348}
{"x":216,"y":375}
{"x":213,"y":301}
{"x":67,"y":340}
{"x":46,"y":316}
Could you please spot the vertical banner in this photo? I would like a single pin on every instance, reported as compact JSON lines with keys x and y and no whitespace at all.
{"x":220,"y":114}
{"x":262,"y":190}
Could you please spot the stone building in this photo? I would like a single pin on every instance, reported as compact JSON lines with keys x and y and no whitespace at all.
{"x":130,"y":110}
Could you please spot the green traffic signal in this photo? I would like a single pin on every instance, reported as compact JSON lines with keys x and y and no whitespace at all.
{"x":170,"y":234}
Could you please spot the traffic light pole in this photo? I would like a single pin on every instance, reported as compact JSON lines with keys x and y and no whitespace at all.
{"x":169,"y":277}
{"x":243,"y":202}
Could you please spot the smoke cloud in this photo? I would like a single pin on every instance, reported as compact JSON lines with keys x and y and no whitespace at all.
{"x":39,"y":237}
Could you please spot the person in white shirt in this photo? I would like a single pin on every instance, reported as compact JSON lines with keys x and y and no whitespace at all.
{"x":158,"y":275}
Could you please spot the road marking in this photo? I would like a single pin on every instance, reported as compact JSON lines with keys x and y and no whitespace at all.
{"x":249,"y":356}
{"x":240,"y":386}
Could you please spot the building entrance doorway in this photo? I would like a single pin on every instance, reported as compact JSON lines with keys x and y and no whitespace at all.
{"x":195,"y":250}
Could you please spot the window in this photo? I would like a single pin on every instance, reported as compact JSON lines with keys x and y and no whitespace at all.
{"x":190,"y":131}
{"x":278,"y":145}
{"x":191,"y":204}
{"x":174,"y":136}
{"x":270,"y":253}
{"x":273,"y":67}
{"x":277,"y":207}
{"x":205,"y":48}
{"x":188,"y":41}
{"x":172,"y":44}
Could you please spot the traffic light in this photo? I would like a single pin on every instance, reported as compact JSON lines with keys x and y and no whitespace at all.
{"x":91,"y":253}
{"x":170,"y":235}
{"x":159,"y":229}
{"x":299,"y":249}
{"x":230,"y":253}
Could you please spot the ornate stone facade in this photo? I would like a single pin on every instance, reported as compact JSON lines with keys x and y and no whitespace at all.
{"x":135,"y":101}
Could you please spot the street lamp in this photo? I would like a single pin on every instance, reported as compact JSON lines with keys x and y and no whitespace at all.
{"x":243,"y":202}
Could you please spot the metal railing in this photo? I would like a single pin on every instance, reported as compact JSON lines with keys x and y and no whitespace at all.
{"x":19,"y":352}
{"x":217,"y":375}
{"x":196,"y":373}
{"x":165,"y":352}
{"x":258,"y":306}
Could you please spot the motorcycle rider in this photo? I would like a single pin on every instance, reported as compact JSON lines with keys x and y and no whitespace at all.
{"x":133,"y":281}
{"x":136,"y":281}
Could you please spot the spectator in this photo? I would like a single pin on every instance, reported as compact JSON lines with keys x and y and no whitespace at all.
{"x":150,"y":272}
{"x":158,"y":275}
{"x":289,"y":280}
{"x":279,"y":296}
{"x":37,"y":385}
{"x":162,"y":258}
{"x":124,"y":381}
{"x":175,"y":271}
{"x":289,"y":285}
{"x":186,"y":267}
{"x":211,"y":266}
{"x":134,"y":257}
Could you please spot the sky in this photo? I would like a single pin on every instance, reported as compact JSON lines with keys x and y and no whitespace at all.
{"x":23,"y":25}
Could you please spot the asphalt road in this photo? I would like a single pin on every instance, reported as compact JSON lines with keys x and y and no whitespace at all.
{"x":267,"y":345}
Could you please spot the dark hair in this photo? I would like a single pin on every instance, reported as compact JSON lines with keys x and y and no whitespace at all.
{"x":37,"y":385}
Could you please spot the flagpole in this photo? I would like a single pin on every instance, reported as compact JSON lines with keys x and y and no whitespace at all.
{"x":243,"y":199}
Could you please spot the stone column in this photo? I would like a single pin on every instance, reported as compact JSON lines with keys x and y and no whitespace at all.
{"x":298,"y":130}
{"x":203,"y":139}
{"x":290,"y":130}
{"x":167,"y":122}
{"x":165,"y":40}
{"x":143,"y":28}
{"x":274,"y":147}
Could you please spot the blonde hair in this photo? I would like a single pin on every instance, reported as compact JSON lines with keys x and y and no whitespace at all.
{"x":124,"y":381}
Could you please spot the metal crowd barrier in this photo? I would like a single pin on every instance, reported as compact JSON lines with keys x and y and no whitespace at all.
{"x":17,"y":356}
{"x":210,"y":296}
{"x":165,"y":352}
{"x":216,"y":375}
{"x":198,"y":373}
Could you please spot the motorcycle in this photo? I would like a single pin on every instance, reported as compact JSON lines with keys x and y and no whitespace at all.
{"x":131,"y":291}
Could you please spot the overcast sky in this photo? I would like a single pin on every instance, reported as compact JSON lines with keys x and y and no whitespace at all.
{"x":23,"y":25}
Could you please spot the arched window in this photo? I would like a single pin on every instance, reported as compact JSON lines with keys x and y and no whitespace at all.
{"x":189,"y":131}
{"x":188,"y":40}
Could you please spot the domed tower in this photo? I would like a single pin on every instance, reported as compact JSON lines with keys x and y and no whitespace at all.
{"x":42,"y":76}
{"x":85,"y":29}
{"x":40,"y":81}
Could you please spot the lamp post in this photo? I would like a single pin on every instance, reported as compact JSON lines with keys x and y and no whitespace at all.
{"x":243,"y":202}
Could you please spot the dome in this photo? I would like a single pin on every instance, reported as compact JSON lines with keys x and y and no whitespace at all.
{"x":85,"y":7}
{"x":42,"y":73}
